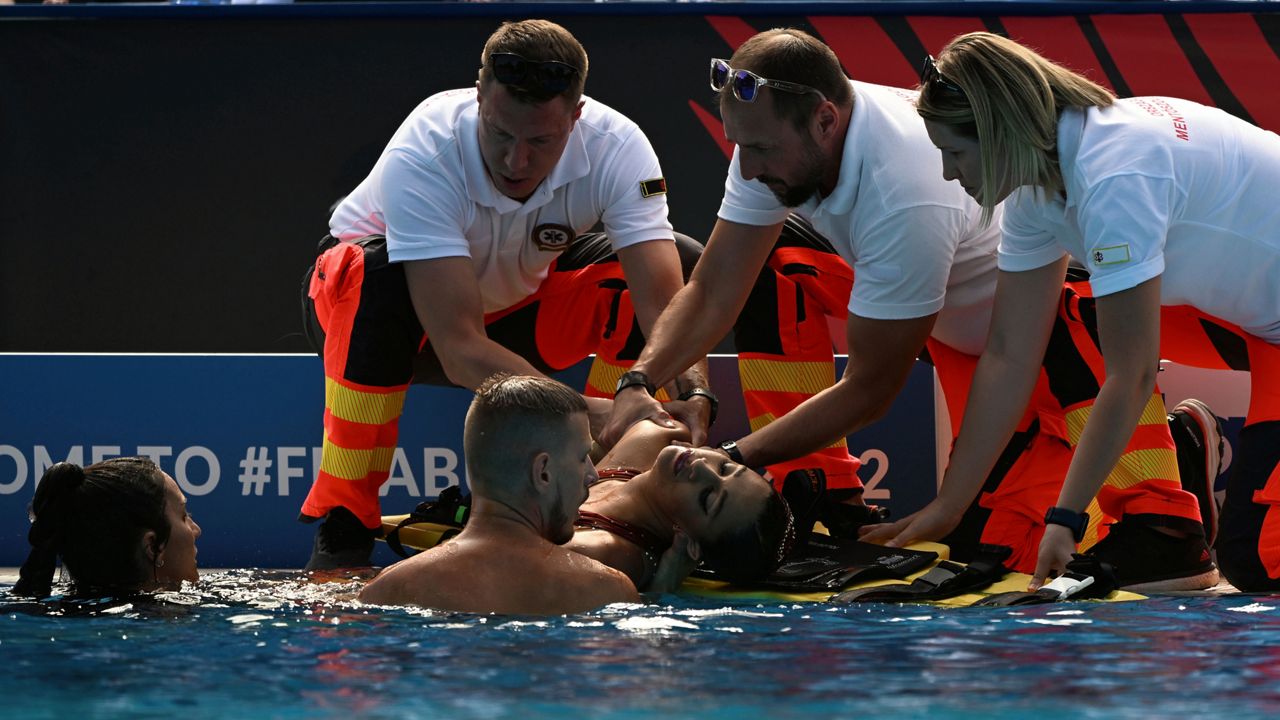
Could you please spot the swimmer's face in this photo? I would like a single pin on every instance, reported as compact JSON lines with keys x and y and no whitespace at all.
{"x":573,"y":472}
{"x":962,"y":161}
{"x":522,"y":142}
{"x":179,"y":553}
{"x":708,"y":495}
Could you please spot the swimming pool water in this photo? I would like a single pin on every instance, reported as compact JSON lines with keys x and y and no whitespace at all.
{"x":275,"y":645}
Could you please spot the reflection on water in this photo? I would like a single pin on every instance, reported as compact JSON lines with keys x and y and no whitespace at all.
{"x":252,"y":643}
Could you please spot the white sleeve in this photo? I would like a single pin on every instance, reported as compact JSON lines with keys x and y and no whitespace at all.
{"x":426,"y":212}
{"x":749,"y":202}
{"x":634,"y":195}
{"x":1125,"y":220}
{"x":904,"y":262}
{"x":1025,"y":241}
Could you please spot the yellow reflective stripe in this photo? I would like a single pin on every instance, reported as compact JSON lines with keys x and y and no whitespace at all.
{"x":1075,"y":423}
{"x":760,"y":421}
{"x":604,"y":376}
{"x":362,"y":407}
{"x":1140,"y":465}
{"x":349,"y":464}
{"x":382,"y":458}
{"x":783,"y":376}
{"x":1095,"y":523}
{"x":1152,"y":414}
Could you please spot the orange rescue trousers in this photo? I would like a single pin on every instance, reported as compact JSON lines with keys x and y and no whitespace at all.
{"x":787,"y":359}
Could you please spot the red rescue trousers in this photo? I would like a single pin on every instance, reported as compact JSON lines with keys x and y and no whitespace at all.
{"x":1248,"y":545}
{"x":357,"y":307}
{"x":813,"y":282}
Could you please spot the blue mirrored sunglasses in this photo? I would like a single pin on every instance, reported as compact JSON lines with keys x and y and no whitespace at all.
{"x":746,"y":84}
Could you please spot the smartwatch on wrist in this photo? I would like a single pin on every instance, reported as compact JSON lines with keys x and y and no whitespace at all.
{"x":711,"y":398}
{"x":730,"y":448}
{"x":1076,"y":522}
{"x":634,"y":377}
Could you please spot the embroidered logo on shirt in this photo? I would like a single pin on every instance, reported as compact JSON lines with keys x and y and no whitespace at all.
{"x":656,"y":186}
{"x":552,"y":237}
{"x":1113,"y":255}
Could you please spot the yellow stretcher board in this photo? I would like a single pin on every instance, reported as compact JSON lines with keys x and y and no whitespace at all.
{"x":421,"y":536}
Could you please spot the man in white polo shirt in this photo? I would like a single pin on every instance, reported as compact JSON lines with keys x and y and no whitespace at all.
{"x":866,"y":202}
{"x":464,"y":253}
{"x":835,"y":191}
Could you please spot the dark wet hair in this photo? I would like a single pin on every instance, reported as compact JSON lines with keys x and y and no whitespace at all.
{"x":93,"y":519}
{"x":536,"y":40}
{"x":757,"y":550}
{"x":793,"y":56}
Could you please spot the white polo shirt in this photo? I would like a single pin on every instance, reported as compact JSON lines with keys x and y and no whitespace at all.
{"x":915,"y":242}
{"x":430,"y":194}
{"x":1162,"y":187}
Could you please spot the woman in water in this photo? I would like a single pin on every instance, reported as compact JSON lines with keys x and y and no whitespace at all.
{"x":119,"y":527}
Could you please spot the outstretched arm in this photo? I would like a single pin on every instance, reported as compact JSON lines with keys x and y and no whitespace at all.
{"x":881,"y":353}
{"x":1129,"y":329}
{"x":1002,"y":384}
{"x":446,"y":299}
{"x":696,"y":318}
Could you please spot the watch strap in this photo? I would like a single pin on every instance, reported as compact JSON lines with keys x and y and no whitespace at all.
{"x":1076,"y":522}
{"x":710,"y":396}
{"x":730,"y":448}
{"x":634,"y":377}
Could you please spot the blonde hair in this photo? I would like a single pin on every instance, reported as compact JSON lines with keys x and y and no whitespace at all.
{"x":1011,"y":101}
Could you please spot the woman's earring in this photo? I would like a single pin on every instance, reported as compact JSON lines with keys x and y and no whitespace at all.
{"x":159,"y":562}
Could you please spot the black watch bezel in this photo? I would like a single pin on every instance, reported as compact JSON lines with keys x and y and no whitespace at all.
{"x":634,"y":377}
{"x":706,"y":393}
{"x":1076,"y":522}
{"x":730,"y":448}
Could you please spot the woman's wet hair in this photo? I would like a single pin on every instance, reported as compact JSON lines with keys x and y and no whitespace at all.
{"x":94,"y":519}
{"x":755,"y":551}
{"x":1008,"y":98}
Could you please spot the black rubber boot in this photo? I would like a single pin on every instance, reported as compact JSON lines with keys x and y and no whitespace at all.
{"x":342,"y":541}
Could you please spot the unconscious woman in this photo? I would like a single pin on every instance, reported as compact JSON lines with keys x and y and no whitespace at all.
{"x":654,"y":495}
{"x":120,"y":527}
{"x":1171,"y":207}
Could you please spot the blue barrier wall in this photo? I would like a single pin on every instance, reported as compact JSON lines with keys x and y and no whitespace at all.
{"x":241,"y":436}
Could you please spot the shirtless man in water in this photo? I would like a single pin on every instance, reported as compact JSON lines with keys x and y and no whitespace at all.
{"x":527,"y":446}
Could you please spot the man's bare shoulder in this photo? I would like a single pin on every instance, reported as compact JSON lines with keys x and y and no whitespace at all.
{"x":410,"y":582}
{"x":479,"y":575}
{"x":593,"y":582}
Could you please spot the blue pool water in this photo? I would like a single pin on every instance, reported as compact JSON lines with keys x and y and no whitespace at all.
{"x":255,"y":644}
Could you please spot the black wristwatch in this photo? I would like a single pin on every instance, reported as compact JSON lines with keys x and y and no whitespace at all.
{"x":634,"y":377}
{"x":1076,"y":522}
{"x":710,"y":396}
{"x":730,"y":448}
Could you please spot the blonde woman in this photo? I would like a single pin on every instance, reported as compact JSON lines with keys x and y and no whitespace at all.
{"x":1167,"y":203}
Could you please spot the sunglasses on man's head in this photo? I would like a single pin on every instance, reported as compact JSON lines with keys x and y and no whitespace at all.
{"x":543,"y":77}
{"x":929,"y":74}
{"x":746,"y":84}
